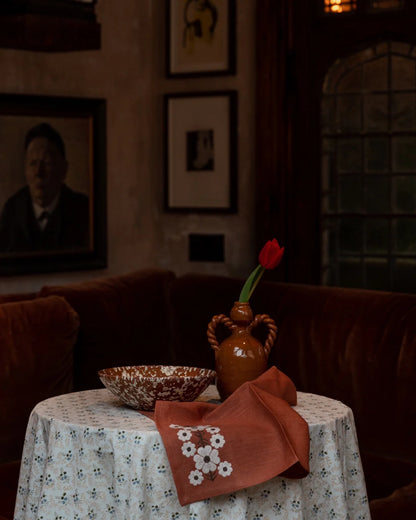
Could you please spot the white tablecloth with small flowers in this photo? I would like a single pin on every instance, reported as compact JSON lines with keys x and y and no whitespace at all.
{"x":88,"y":457}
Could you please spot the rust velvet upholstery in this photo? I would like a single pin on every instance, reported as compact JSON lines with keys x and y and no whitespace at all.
{"x":37,"y":338}
{"x":359,"y":347}
{"x":124,"y":321}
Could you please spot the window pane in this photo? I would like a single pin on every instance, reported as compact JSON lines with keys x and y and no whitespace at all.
{"x":377,"y":154}
{"x":351,"y":235}
{"x":404,"y":189}
{"x":377,"y":194}
{"x":351,"y":82}
{"x":350,"y":193}
{"x":349,"y":155}
{"x":403,"y":111}
{"x":329,"y":241}
{"x":377,"y":236}
{"x":328,"y":114}
{"x":376,"y":273}
{"x":403,"y":73}
{"x":349,"y":113}
{"x":350,"y":272}
{"x":376,"y":74}
{"x":405,"y":236}
{"x":376,"y":112}
{"x":404,"y":154}
{"x":404,"y":278}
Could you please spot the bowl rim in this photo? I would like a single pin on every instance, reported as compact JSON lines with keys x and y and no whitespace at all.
{"x":208,"y":372}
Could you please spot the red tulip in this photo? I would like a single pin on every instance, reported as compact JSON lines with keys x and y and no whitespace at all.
{"x":271,"y":254}
{"x":269,"y":258}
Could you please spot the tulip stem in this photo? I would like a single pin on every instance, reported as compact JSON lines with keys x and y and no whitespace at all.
{"x":251,"y":284}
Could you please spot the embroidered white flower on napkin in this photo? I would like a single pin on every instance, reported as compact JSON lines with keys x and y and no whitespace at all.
{"x":202,"y":443}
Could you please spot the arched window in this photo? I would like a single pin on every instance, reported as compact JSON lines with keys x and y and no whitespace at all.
{"x":368,"y":169}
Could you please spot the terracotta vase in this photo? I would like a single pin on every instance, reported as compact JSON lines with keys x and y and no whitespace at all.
{"x":240,"y":357}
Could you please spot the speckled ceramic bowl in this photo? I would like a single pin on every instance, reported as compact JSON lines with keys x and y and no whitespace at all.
{"x":141,"y":386}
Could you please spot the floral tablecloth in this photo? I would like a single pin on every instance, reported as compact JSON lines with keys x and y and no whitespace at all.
{"x":87,"y":456}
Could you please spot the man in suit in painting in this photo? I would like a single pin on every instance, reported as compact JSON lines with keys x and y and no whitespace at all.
{"x":45,"y":215}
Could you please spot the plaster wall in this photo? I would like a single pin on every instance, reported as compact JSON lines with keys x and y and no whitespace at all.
{"x":129,"y":72}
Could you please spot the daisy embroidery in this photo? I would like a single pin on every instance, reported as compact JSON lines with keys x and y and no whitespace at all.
{"x":217,"y":441}
{"x":225,"y":469}
{"x":195,"y":477}
{"x":188,"y":449}
{"x":206,"y":459}
{"x":184,"y":435}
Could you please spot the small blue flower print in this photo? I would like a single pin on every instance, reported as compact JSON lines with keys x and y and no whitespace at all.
{"x":295,"y":505}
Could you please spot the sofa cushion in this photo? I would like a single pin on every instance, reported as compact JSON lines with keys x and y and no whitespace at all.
{"x":124,"y":321}
{"x":37,"y":338}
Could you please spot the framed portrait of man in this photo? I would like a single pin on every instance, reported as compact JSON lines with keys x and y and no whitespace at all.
{"x":52,"y":184}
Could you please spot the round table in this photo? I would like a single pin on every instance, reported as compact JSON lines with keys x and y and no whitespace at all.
{"x":87,"y":456}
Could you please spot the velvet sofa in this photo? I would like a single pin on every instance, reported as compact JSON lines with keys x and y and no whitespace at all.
{"x":353,"y":345}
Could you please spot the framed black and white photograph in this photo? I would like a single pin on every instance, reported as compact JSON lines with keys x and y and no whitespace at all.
{"x":52,"y":184}
{"x":200,"y":151}
{"x":200,"y":37}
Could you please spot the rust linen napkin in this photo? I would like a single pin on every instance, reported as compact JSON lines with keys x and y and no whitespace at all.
{"x":251,"y":437}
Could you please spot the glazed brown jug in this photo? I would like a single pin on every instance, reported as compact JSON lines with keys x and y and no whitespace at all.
{"x":240,"y":357}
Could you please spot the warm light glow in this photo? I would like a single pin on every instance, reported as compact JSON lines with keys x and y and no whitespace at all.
{"x":340,"y":6}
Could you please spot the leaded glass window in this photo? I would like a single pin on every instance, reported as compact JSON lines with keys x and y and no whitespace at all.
{"x":368,"y":173}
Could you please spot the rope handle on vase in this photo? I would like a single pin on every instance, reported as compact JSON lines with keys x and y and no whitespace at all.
{"x":216,"y":320}
{"x":271,"y":325}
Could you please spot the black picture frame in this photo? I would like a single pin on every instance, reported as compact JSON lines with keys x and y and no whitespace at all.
{"x":201,"y":177}
{"x":194,"y":48}
{"x":81,"y":122}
